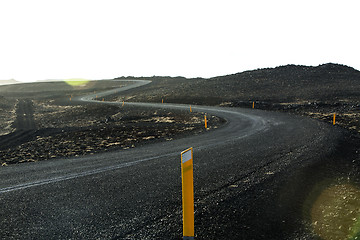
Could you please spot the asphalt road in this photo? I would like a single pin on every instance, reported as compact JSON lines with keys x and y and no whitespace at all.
{"x":243,"y":175}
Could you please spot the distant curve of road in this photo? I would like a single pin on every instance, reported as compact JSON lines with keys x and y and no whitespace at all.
{"x":240,"y":170}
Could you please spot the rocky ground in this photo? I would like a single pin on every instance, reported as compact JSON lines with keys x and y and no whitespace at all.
{"x":347,"y":112}
{"x":73,"y":130}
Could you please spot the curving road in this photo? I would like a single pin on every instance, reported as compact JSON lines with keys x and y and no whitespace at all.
{"x":241,"y":174}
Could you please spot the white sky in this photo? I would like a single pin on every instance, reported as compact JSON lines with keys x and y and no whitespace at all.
{"x":51,"y":39}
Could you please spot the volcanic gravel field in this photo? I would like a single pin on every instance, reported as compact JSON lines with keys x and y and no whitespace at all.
{"x":43,"y":130}
{"x":316,"y":197}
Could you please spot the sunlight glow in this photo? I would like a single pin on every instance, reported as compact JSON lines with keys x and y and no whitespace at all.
{"x":336,"y":213}
{"x":76,"y":82}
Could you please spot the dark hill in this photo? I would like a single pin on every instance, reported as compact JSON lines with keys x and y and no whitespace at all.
{"x":292,"y":82}
{"x":281,"y":84}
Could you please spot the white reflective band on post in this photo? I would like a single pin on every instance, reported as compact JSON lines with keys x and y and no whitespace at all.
{"x":186,"y":156}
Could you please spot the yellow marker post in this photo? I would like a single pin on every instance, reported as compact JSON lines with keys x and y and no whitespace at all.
{"x":253,"y":106}
{"x":187,"y":193}
{"x":190,"y":109}
{"x":205,"y":121}
{"x":334,"y":118}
